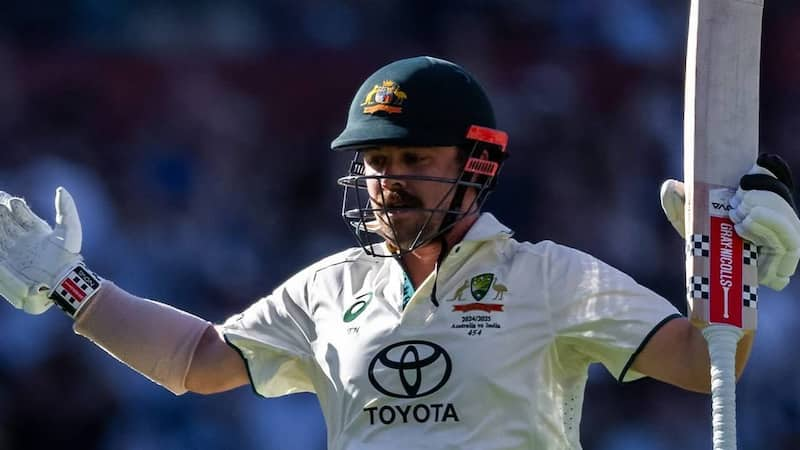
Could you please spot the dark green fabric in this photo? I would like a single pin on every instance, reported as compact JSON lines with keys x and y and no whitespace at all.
{"x":420,"y":101}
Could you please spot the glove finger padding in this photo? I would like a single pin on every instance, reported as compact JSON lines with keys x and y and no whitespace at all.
{"x":20,"y":293}
{"x":776,"y":237}
{"x":767,"y":271}
{"x":25,"y":217}
{"x":12,"y":288}
{"x":772,"y":211}
{"x":775,"y":265}
{"x":5,"y":197}
{"x":10,"y":230}
{"x":673,"y":197}
{"x":764,"y":228}
{"x":68,"y":224}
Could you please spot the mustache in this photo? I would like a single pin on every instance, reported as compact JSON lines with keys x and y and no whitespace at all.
{"x":398,"y":199}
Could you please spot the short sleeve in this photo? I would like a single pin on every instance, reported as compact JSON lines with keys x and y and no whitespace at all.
{"x":601,"y":314}
{"x":274,"y":338}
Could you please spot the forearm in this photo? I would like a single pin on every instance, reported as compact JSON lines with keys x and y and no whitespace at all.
{"x":743,"y":352}
{"x":678,"y":354}
{"x":155,"y":339}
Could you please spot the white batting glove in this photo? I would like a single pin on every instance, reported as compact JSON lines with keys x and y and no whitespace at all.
{"x":763,"y":213}
{"x":35,"y":258}
{"x":673,"y":198}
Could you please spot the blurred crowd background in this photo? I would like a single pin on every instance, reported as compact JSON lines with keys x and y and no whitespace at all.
{"x":194,"y":136}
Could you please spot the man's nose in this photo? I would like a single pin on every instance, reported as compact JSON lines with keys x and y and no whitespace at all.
{"x":387,"y":180}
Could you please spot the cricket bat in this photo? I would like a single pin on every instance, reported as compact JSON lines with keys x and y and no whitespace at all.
{"x":720,"y":145}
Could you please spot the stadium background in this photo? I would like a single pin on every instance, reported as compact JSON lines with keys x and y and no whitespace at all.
{"x":194,"y":136}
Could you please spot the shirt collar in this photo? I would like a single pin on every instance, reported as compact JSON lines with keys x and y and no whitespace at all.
{"x":487,"y":228}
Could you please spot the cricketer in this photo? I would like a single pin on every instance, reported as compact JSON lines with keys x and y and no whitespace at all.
{"x":439,"y":330}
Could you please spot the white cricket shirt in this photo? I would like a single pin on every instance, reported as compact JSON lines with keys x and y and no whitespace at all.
{"x":501,"y":363}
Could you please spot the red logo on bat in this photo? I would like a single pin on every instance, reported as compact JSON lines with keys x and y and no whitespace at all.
{"x":725,"y":277}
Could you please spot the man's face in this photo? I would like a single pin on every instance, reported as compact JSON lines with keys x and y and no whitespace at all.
{"x":408,"y":199}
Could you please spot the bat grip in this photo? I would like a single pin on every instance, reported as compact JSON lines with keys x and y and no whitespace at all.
{"x":722,"y":343}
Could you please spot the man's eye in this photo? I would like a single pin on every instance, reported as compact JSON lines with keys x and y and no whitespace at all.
{"x":375,"y":161}
{"x":411,"y":158}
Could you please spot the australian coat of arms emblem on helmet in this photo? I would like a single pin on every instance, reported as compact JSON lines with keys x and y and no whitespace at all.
{"x":385,"y":97}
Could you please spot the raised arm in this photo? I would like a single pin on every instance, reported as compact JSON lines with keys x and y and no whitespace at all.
{"x":763,"y":211}
{"x":173,"y":348}
{"x":41,"y":266}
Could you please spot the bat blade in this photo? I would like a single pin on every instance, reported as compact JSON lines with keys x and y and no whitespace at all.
{"x":720,"y":145}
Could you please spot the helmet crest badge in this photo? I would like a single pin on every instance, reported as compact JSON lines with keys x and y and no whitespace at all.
{"x":385,"y":97}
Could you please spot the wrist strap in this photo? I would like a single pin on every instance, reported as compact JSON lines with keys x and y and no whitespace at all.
{"x":74,"y":289}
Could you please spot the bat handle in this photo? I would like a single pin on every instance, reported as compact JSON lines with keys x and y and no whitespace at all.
{"x":722,"y":343}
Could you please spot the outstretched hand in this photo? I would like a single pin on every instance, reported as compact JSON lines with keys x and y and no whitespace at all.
{"x":763,"y":212}
{"x":33,"y":256}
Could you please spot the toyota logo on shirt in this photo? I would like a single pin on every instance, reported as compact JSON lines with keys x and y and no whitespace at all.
{"x":410,"y":369}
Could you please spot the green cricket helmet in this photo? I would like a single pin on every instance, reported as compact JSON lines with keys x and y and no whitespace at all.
{"x":420,"y":102}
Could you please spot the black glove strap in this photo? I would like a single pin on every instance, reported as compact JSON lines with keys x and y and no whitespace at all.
{"x":777,"y":166}
{"x":762,"y":182}
{"x":782,"y":185}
